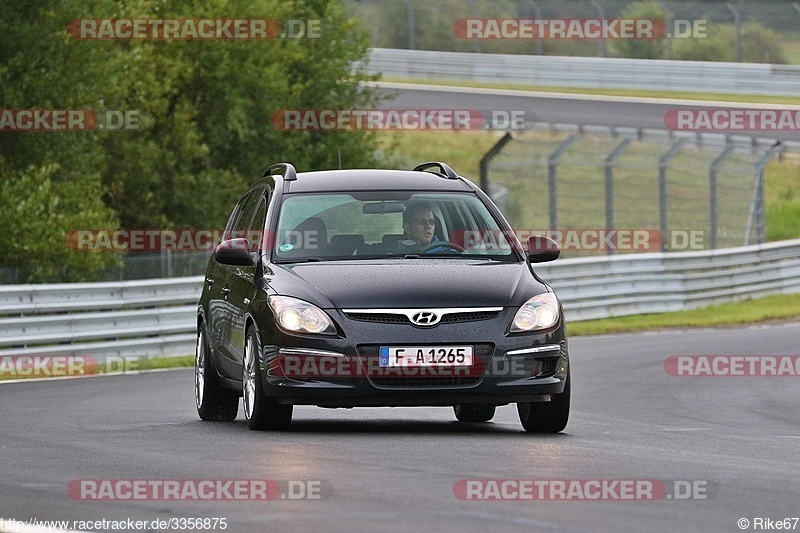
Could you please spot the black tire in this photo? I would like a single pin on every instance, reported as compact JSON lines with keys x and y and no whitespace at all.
{"x":213,"y":401}
{"x":261,"y":412}
{"x":546,"y":417}
{"x":474,"y":412}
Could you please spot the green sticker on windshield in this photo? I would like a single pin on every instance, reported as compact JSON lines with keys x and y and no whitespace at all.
{"x":286,"y":247}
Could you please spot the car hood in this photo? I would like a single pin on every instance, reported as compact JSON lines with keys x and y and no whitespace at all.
{"x":407,"y":283}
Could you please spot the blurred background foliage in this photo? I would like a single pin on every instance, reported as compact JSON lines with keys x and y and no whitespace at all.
{"x":768,"y":29}
{"x":205,"y":108}
{"x":206,"y":105}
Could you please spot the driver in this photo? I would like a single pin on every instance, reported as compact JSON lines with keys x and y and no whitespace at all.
{"x":419,"y":223}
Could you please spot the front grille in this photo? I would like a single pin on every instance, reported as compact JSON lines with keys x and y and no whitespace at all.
{"x":455,"y":377}
{"x":392,"y":318}
{"x":384,"y":318}
{"x":468,"y":317}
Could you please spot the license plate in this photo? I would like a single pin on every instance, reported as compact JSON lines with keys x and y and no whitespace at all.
{"x":412,"y":356}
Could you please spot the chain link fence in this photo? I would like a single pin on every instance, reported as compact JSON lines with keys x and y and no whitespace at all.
{"x":598,"y":189}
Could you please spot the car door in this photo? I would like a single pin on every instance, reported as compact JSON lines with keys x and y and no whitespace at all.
{"x":241,"y":282}
{"x":234,"y":293}
{"x":217,"y":285}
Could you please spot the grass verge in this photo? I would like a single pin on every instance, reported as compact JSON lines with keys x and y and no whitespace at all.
{"x":85,"y":366}
{"x":769,"y":308}
{"x":680,"y":95}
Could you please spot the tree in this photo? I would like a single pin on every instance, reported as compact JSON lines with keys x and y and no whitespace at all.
{"x":205,"y":109}
{"x":641,"y":48}
{"x":759,"y":45}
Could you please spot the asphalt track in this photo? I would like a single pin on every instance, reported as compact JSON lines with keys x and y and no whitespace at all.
{"x":561,"y":108}
{"x":395,"y":469}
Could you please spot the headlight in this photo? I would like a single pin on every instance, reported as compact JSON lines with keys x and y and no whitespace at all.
{"x":300,"y":317}
{"x":540,"y":312}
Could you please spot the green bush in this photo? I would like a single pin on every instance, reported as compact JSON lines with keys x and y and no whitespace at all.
{"x":640,"y":48}
{"x":205,"y":106}
{"x":759,"y":45}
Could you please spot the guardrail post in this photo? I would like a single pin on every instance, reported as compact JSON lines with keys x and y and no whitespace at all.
{"x":757,"y":204}
{"x":609,"y":164}
{"x":552,"y":165}
{"x":713,"y":197}
{"x":487,"y":158}
{"x":662,"y":190}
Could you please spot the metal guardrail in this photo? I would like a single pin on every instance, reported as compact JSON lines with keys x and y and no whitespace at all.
{"x":156,"y":318}
{"x":589,"y":72}
{"x":658,"y":282}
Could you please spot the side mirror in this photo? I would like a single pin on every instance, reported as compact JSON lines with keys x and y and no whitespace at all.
{"x":234,"y":252}
{"x":542,"y":249}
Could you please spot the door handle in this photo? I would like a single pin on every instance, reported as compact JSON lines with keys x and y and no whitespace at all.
{"x":226,"y":291}
{"x":209,"y":281}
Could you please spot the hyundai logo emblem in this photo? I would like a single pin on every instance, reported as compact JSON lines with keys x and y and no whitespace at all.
{"x":425,"y":318}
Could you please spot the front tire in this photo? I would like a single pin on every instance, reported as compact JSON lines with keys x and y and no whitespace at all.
{"x":546,"y":417}
{"x":474,"y":412}
{"x":213,"y":401}
{"x":261,"y":412}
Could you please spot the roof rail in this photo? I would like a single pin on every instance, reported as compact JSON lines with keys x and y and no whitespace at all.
{"x":446,"y":171}
{"x":289,"y":173}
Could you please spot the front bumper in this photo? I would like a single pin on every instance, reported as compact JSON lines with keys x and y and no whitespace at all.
{"x":343,"y":371}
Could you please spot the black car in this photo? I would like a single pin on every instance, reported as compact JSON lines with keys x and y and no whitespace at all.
{"x":350,"y":288}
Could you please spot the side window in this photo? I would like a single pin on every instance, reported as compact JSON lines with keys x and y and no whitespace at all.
{"x":229,"y":227}
{"x":246,"y":215}
{"x":255,"y":231}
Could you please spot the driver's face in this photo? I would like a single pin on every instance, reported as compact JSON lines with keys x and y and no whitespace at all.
{"x":421,"y":225}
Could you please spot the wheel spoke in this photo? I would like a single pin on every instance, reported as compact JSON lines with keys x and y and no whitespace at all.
{"x":199,"y":370}
{"x":249,"y":380}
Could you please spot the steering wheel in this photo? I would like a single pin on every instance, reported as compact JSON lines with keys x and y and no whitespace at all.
{"x":443,"y":244}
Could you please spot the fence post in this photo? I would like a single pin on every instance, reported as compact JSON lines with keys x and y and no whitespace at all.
{"x":737,"y":20}
{"x":537,"y":14}
{"x":713,"y":197}
{"x":662,"y":190}
{"x":757,"y":204}
{"x":601,"y":43}
{"x":552,"y":191}
{"x":487,"y":158}
{"x":669,"y":19}
{"x":412,"y":28}
{"x":609,"y":164}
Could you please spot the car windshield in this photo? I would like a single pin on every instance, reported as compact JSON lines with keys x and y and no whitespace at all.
{"x":375,"y":225}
